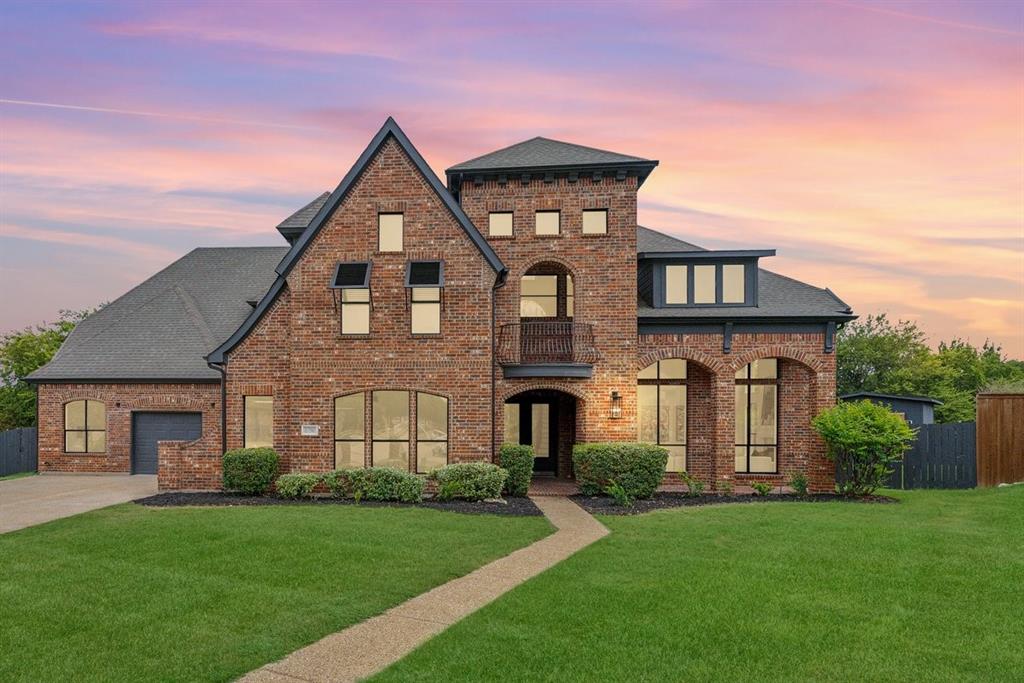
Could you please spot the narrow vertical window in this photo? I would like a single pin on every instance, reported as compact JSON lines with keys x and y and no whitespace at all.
{"x":704,"y":284}
{"x":351,"y":290}
{"x":425,"y":281}
{"x":733,"y":283}
{"x":431,"y":432}
{"x":595,"y":222}
{"x":85,"y":427}
{"x":548,"y":223}
{"x":259,"y":422}
{"x":661,"y":409}
{"x":390,"y":229}
{"x":391,"y":429}
{"x":499,"y":223}
{"x":676,"y":285}
{"x":570,"y":297}
{"x":349,"y":431}
{"x":512,"y":422}
{"x":757,"y":422}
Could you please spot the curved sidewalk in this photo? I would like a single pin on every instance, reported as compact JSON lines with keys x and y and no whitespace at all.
{"x":368,"y":647}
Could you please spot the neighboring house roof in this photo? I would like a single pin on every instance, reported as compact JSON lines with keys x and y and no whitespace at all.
{"x":545,"y":153}
{"x":162,"y":329}
{"x":293,"y":226}
{"x":778,"y":297}
{"x":390,"y":129}
{"x":890,"y":397}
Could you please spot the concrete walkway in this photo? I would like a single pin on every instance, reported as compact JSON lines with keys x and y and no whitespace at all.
{"x":28,"y":501}
{"x":368,"y":647}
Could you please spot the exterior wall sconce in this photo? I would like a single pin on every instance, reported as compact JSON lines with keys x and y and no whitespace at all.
{"x":616,"y":411}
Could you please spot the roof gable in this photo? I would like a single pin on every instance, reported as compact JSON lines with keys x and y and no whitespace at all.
{"x":291,"y":228}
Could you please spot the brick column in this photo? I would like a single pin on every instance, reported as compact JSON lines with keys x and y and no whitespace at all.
{"x":723,"y":385}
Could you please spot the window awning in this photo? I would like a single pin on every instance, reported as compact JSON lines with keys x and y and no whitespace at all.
{"x":351,"y":275}
{"x":424,"y":274}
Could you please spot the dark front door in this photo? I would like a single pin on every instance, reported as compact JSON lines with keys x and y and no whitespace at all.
{"x":149,"y":428}
{"x":537,"y":421}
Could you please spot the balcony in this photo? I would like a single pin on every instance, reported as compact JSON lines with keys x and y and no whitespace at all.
{"x":547,"y":348}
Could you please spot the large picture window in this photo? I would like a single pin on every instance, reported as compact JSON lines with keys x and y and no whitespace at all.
{"x":431,"y":432}
{"x":85,"y":427}
{"x":259,"y":422}
{"x":349,"y":431}
{"x":757,"y":417}
{"x":661,"y":409}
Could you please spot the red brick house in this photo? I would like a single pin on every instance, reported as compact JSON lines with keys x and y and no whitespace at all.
{"x":409,"y":323}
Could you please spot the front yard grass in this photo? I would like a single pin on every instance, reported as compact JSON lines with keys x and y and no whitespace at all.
{"x":929,"y":589}
{"x":129,"y":593}
{"x":17,"y":475}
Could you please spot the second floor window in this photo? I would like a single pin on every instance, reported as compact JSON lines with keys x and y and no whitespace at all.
{"x":538,"y":296}
{"x":390,"y":229}
{"x":351,"y":286}
{"x":707,"y":284}
{"x":595,"y":222}
{"x":499,"y":224}
{"x":425,"y":282}
{"x":548,"y":223}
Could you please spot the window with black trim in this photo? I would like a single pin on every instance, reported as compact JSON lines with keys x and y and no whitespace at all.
{"x":548,"y":223}
{"x":349,"y":431}
{"x":595,"y":221}
{"x":390,"y":231}
{"x":499,"y":224}
{"x":390,"y":420}
{"x":431,"y":432}
{"x":351,"y":289}
{"x":538,"y":296}
{"x":707,"y":284}
{"x":258,"y":422}
{"x":425,"y":282}
{"x":661,"y":409}
{"x":85,"y":426}
{"x":757,"y":417}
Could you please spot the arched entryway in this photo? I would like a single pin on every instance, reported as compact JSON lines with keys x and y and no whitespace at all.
{"x":547,"y":420}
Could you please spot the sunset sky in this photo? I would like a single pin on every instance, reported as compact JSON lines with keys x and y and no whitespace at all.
{"x":879,"y":147}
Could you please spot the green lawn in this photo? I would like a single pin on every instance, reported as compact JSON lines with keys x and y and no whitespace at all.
{"x":205,"y":594}
{"x":19,"y":475}
{"x":931,"y":589}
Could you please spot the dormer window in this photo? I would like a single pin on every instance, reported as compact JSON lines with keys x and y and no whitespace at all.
{"x":351,"y":289}
{"x":706,"y":284}
{"x":425,"y":282}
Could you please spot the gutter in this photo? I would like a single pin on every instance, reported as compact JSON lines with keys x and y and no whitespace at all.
{"x":222,"y":368}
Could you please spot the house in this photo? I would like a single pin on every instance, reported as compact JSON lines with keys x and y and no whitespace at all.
{"x":916,"y":410}
{"x":408,"y":323}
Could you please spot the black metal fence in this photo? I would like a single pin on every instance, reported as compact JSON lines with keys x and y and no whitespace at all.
{"x":18,"y":451}
{"x":942,"y":457}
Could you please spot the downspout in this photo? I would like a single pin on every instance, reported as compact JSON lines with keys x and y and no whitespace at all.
{"x":499,"y":282}
{"x":222,"y":368}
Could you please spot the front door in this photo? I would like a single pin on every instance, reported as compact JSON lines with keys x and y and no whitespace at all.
{"x":535,"y":422}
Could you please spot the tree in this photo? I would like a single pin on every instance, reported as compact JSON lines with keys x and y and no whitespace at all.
{"x":22,"y":352}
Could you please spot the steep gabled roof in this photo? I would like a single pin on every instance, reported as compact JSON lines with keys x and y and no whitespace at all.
{"x":390,"y":129}
{"x":293,"y":226}
{"x":161,"y":329}
{"x":546,"y":153}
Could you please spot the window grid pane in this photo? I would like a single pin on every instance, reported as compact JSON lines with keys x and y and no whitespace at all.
{"x":512,"y":423}
{"x":704,"y":284}
{"x":757,"y":418}
{"x":259,"y":422}
{"x":426,"y":318}
{"x":733,"y":283}
{"x":355,"y":318}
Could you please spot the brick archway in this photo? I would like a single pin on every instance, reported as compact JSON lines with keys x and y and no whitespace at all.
{"x":776,"y":351}
{"x":708,"y":362}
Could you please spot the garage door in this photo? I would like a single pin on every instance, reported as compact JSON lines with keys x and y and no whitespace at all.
{"x":149,"y":428}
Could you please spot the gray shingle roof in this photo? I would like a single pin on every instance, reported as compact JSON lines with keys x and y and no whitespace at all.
{"x":778,"y":296}
{"x":163,"y":328}
{"x":543,"y":152}
{"x":294,"y":225}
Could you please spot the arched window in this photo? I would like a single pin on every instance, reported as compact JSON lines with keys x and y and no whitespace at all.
{"x":392,"y":429}
{"x":661,"y":409}
{"x":85,"y":427}
{"x":757,"y":417}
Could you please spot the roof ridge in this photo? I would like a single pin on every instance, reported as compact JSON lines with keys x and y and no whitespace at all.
{"x":192,"y":310}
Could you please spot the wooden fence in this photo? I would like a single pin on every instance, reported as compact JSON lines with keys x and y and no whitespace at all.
{"x":1000,"y":440}
{"x":18,"y":451}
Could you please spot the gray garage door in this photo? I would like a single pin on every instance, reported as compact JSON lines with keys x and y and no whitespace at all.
{"x":148,"y":428}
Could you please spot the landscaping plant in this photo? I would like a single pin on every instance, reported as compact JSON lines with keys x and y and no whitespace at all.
{"x":761,"y":488}
{"x":615,"y":490}
{"x":517,"y":460}
{"x":694,"y":486}
{"x":724,"y":487}
{"x":637,"y":467}
{"x":297,"y":485}
{"x":798,"y":482}
{"x":469,"y":481}
{"x":375,"y":483}
{"x":249,"y":470}
{"x":864,"y":439}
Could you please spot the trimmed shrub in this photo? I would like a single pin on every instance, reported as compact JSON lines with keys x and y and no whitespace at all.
{"x":249,"y":470}
{"x":297,"y":485}
{"x":761,"y":488}
{"x":864,"y":439}
{"x":469,"y":481}
{"x":375,"y":483}
{"x":518,"y":462}
{"x":799,"y":483}
{"x":637,"y":467}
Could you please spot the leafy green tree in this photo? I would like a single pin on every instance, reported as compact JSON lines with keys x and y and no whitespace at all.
{"x":22,"y":352}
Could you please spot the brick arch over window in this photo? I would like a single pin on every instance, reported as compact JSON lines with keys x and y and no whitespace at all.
{"x":186,"y":403}
{"x":708,"y":362}
{"x":777,"y":351}
{"x":545,"y":386}
{"x":570,"y":267}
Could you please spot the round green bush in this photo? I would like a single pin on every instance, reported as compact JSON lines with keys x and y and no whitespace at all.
{"x":249,"y":470}
{"x":376,"y":483}
{"x":469,"y":481}
{"x":636,"y":467}
{"x":297,"y":485}
{"x":517,"y":460}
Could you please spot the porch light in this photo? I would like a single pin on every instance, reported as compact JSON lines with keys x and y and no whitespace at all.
{"x":616,"y":411}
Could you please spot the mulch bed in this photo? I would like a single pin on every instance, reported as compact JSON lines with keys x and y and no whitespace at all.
{"x":604,"y":505}
{"x":521,"y":507}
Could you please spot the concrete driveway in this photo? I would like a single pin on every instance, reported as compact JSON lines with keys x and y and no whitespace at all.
{"x":33,"y":500}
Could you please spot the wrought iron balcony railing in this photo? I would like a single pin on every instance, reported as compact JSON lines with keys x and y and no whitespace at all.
{"x":546,"y":341}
